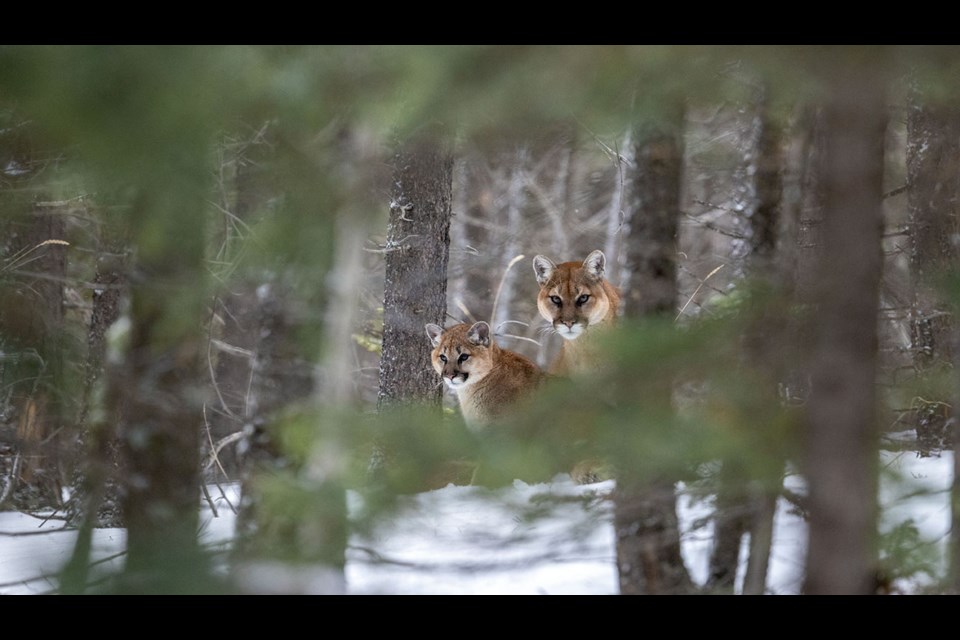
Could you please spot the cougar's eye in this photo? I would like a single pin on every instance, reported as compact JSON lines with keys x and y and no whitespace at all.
{"x":583,"y":299}
{"x":443,"y":358}
{"x":463,"y":358}
{"x":556,"y":300}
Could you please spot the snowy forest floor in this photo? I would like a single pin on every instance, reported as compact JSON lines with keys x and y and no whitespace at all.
{"x":552,"y":538}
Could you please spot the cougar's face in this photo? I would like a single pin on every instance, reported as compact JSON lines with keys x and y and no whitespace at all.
{"x":571,"y":296}
{"x":461,"y":354}
{"x":454,"y":365}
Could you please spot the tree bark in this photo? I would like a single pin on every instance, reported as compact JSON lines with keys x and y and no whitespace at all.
{"x":650,"y":240}
{"x":271,"y":535}
{"x":933,"y":163}
{"x":161,"y":403}
{"x":96,"y":500}
{"x":763,"y":508}
{"x":645,"y":518}
{"x":841,"y":438}
{"x":933,"y":175}
{"x":417,"y":251}
{"x":292,"y":526}
{"x":739,"y":507}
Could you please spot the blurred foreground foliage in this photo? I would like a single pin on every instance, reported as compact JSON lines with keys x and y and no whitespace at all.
{"x":155,"y":140}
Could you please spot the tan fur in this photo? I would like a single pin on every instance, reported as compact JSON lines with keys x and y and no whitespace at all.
{"x":490,"y":381}
{"x":574,"y":320}
{"x":578,"y":322}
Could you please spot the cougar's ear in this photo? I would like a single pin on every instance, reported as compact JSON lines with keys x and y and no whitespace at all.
{"x":543,"y":268}
{"x":595,"y":265}
{"x":479,"y":334}
{"x":433,"y":332}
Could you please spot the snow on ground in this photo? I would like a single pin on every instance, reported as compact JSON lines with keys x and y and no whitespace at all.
{"x":551,"y":538}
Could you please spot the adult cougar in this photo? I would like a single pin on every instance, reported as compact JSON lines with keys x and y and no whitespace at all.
{"x":576,"y":299}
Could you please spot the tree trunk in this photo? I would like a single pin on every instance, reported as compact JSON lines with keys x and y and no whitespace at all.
{"x":645,"y":517}
{"x":292,"y":526}
{"x":731,"y":519}
{"x":615,"y":215}
{"x":417,"y":250}
{"x":161,"y":403}
{"x":272,"y":537}
{"x":739,"y":508}
{"x":842,"y":433}
{"x":650,"y":242}
{"x":763,"y":508}
{"x":933,"y":163}
{"x":933,"y":173}
{"x":96,"y":499}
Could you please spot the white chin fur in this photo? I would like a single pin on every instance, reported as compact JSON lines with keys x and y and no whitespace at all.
{"x":455,"y":383}
{"x":571,"y":333}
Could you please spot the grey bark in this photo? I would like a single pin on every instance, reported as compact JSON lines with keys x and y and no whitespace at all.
{"x":97,"y":498}
{"x":160,"y":440}
{"x":645,"y":518}
{"x":417,"y":252}
{"x":763,"y":509}
{"x":282,"y":377}
{"x":841,"y":434}
{"x":933,"y":174}
{"x":652,"y":205}
{"x":741,"y":508}
{"x":615,"y":214}
{"x":161,"y":400}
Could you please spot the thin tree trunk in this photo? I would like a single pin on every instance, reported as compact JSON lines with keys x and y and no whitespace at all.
{"x":731,"y":519}
{"x":645,"y":518}
{"x":161,"y":407}
{"x":615,"y":214}
{"x":417,"y":251}
{"x":650,"y":243}
{"x":842,"y":433}
{"x":933,"y":173}
{"x":271,"y":538}
{"x":739,"y":510}
{"x":96,"y":501}
{"x":763,"y":509}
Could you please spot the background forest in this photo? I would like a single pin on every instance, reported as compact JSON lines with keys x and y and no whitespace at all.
{"x":216,"y":264}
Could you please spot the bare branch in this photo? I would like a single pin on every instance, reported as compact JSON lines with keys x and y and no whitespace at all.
{"x":503,"y":278}
{"x":697,"y":290}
